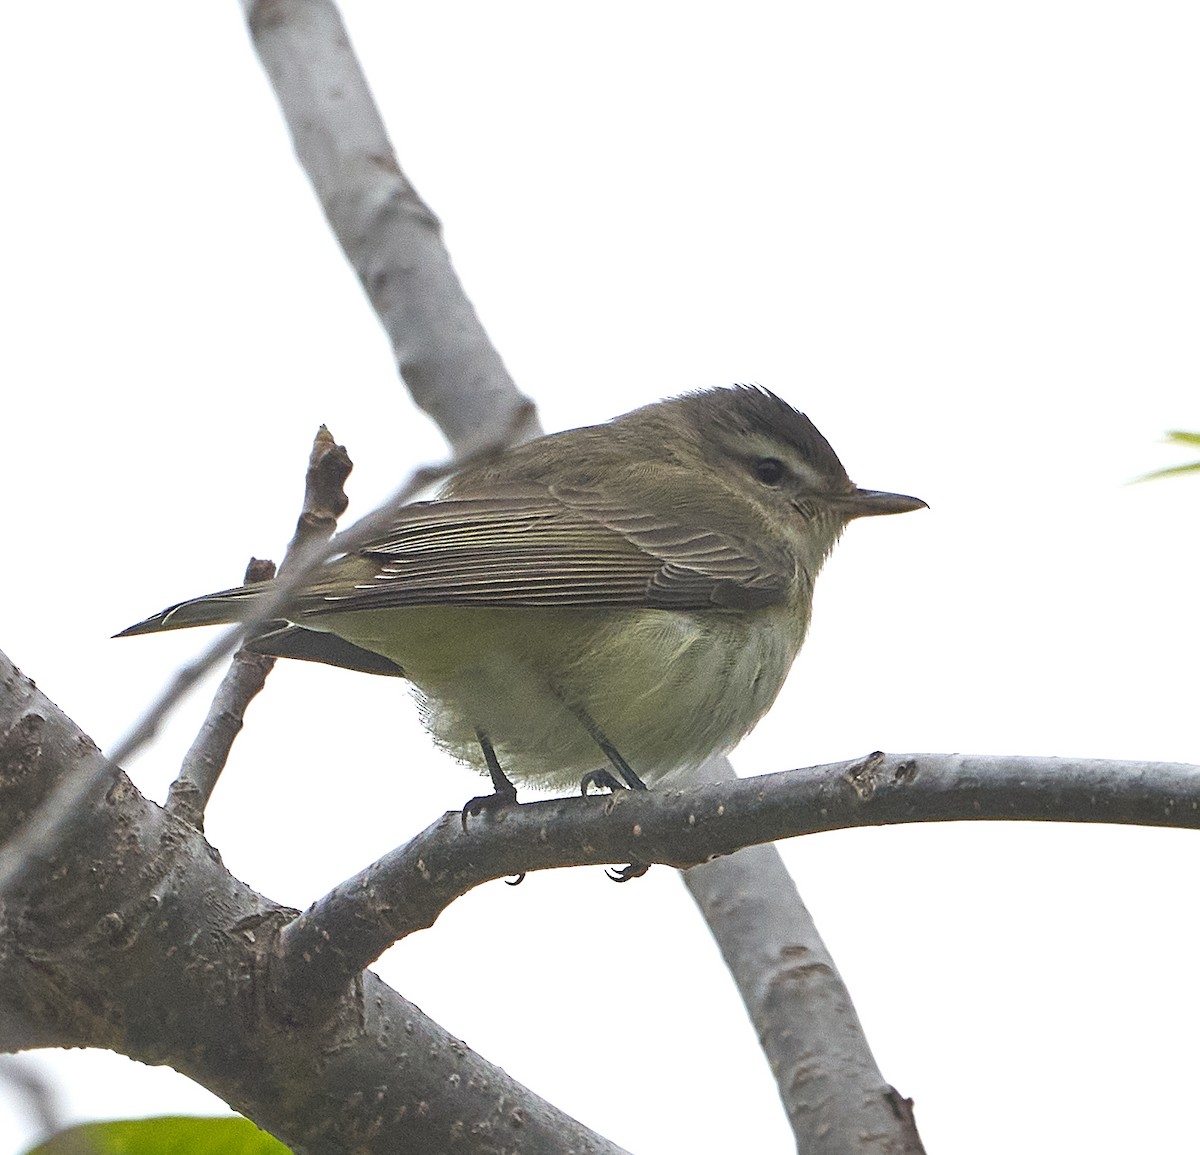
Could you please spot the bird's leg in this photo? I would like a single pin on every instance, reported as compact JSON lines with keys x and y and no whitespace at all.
{"x":504,"y":793}
{"x":606,"y":778}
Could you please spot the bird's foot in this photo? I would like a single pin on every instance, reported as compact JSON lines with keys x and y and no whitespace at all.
{"x":633,"y":870}
{"x":602,"y":780}
{"x":497,"y":801}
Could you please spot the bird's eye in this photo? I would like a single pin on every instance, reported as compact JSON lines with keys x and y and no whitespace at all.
{"x":769,"y":470}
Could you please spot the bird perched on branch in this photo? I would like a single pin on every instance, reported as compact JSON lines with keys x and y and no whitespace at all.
{"x":603,"y":605}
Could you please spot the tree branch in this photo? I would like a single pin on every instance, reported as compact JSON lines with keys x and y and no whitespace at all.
{"x":137,"y":939}
{"x":324,"y":502}
{"x":391,"y":238}
{"x":407,"y":889}
{"x":189,"y":794}
{"x":827,"y":1077}
{"x":325,"y":497}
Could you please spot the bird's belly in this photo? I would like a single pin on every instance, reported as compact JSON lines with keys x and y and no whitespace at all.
{"x":667,"y":688}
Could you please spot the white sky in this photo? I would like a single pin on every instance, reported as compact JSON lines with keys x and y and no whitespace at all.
{"x":963,"y":237}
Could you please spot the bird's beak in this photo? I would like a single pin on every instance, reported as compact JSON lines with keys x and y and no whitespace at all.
{"x":873,"y":503}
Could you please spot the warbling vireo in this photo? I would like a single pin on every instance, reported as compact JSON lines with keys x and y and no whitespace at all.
{"x":631,"y":593}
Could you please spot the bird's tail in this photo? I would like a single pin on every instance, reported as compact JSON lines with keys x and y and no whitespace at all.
{"x":227,"y":606}
{"x":278,"y":639}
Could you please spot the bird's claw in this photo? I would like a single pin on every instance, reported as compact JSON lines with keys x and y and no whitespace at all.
{"x":496,"y":801}
{"x":633,"y":870}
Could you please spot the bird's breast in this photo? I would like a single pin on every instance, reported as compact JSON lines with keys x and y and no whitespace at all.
{"x":667,"y":688}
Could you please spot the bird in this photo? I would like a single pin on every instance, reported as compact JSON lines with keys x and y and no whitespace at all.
{"x":604,"y":607}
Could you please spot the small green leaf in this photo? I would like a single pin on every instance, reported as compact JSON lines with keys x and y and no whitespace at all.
{"x":1192,"y":467}
{"x":168,"y":1135}
{"x":1182,"y":437}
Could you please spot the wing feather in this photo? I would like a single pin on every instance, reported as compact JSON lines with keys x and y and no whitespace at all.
{"x":550,"y":548}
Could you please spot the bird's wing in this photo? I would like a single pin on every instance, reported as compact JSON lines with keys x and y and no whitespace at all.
{"x":556,"y":547}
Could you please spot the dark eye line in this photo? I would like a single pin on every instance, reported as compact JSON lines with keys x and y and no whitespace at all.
{"x":769,"y":470}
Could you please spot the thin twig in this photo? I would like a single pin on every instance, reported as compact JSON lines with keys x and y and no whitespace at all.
{"x":325,"y":497}
{"x":31,"y":1088}
{"x":324,"y":502}
{"x":189,"y":794}
{"x":406,"y":890}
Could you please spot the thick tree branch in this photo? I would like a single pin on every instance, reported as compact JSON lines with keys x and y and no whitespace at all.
{"x":390,"y":236}
{"x":828,"y":1080}
{"x":407,"y":889}
{"x":136,"y":938}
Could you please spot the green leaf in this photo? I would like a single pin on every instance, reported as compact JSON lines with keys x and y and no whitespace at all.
{"x":1192,"y":467}
{"x":1182,"y":437}
{"x":168,"y":1135}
